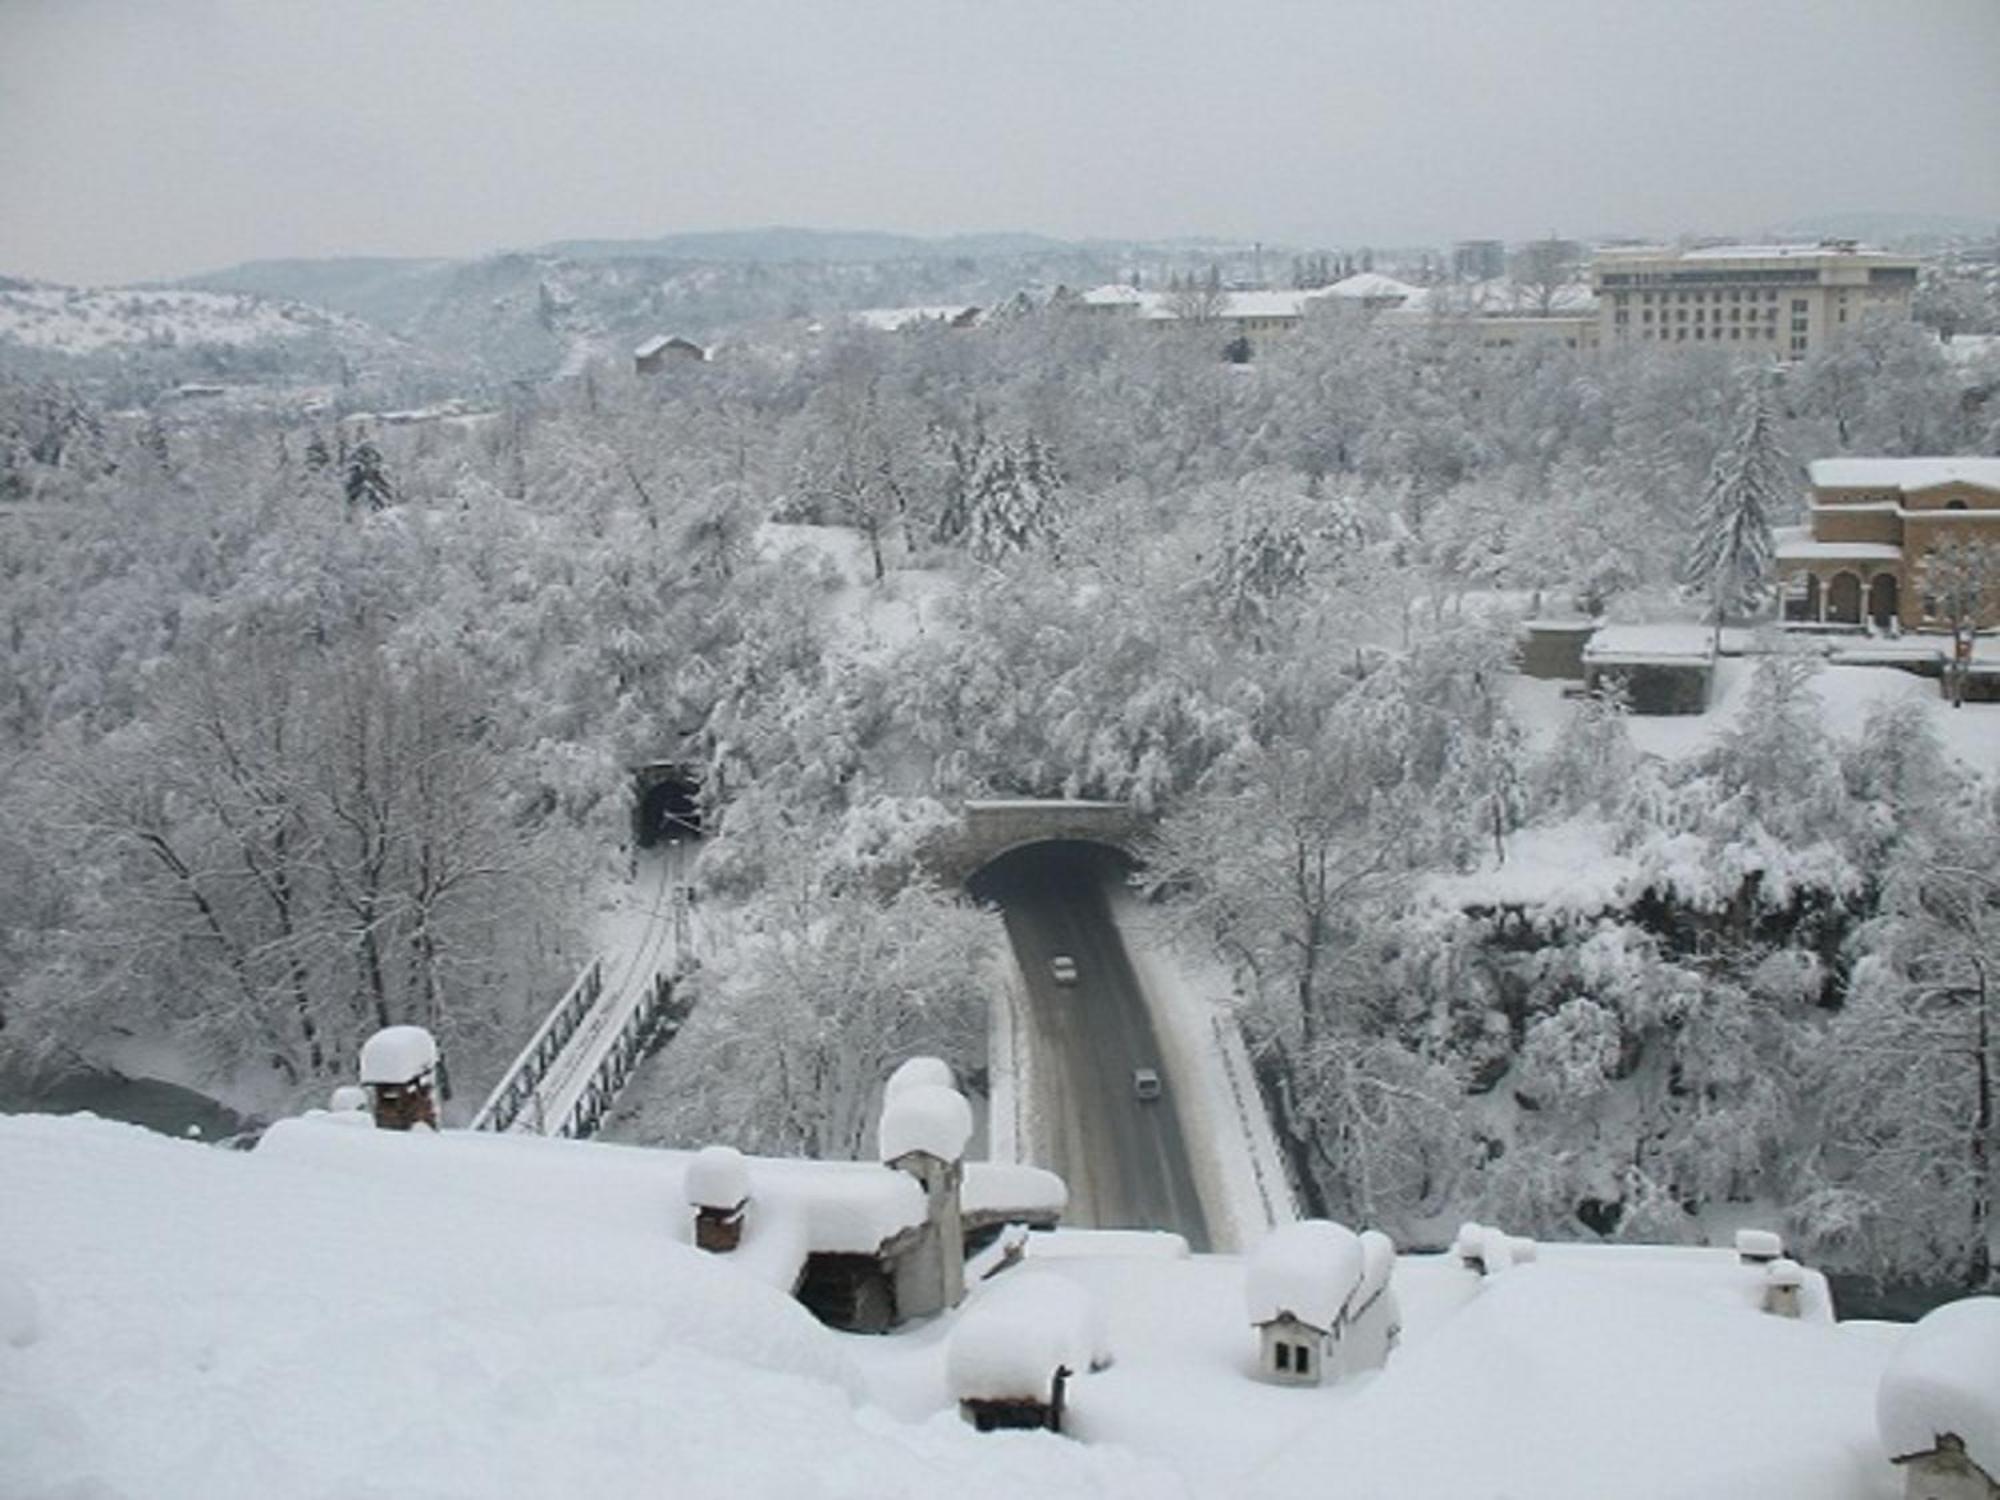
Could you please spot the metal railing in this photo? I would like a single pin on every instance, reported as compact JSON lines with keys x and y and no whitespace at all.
{"x":655,"y":1012}
{"x":522,"y":1082}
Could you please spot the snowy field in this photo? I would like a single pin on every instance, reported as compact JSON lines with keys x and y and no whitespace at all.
{"x":352,"y":1314}
{"x":1971,"y":734}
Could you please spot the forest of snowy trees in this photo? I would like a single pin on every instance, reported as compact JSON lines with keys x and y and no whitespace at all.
{"x":305,"y":728}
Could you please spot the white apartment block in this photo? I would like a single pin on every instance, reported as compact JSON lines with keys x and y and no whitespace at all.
{"x":1782,"y":300}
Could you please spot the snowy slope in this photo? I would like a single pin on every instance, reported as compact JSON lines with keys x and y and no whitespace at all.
{"x":79,"y":320}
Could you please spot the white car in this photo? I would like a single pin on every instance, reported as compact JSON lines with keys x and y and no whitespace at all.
{"x":1146,"y":1083}
{"x":1064,"y":968}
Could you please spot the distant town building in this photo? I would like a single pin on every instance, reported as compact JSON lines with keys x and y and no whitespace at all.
{"x":1478,"y":260}
{"x":656,"y":353}
{"x":1784,"y":300}
{"x":1871,"y":523}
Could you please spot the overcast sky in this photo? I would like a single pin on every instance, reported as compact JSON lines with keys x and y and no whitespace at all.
{"x":150,"y":138}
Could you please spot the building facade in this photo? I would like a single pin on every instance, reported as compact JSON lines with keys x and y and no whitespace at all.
{"x":1783,"y":300}
{"x":1871,"y":524}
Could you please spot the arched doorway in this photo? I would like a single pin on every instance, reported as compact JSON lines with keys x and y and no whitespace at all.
{"x":1802,"y":598}
{"x":1882,"y":600}
{"x":1843,"y":600}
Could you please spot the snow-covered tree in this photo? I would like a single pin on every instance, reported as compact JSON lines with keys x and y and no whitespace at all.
{"x":1959,"y":583}
{"x":1731,"y":556}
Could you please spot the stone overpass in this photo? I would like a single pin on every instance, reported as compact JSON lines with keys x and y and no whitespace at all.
{"x":990,"y":829}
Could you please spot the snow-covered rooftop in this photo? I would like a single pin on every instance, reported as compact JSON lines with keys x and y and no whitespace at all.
{"x":1805,"y":549}
{"x":1946,"y":1379}
{"x":1308,"y":1269}
{"x":181,"y":1321}
{"x":1661,"y":643}
{"x":1011,"y":1342}
{"x":1371,"y":286}
{"x":893,"y":319}
{"x":1905,"y":474}
{"x":1801,"y":251}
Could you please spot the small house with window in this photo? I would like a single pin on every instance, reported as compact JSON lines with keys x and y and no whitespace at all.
{"x":1299,"y":1287}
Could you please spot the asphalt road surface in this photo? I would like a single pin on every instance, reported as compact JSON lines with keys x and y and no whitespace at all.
{"x":1124,"y":1158}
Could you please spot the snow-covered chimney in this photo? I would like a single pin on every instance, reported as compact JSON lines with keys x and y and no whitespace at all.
{"x":399,"y":1070}
{"x":718,"y":1189}
{"x":1758,"y":1247}
{"x":925,"y":1127}
{"x":1784,"y":1282}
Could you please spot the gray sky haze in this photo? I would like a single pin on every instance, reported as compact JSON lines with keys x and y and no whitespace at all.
{"x":154,"y":138}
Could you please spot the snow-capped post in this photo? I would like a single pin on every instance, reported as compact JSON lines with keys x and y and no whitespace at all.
{"x":1758,"y":1247}
{"x":718,"y":1189}
{"x":1300,"y":1286}
{"x":1011,"y":1358}
{"x":924,"y":1130}
{"x":1784,"y":1283}
{"x":1937,"y":1409}
{"x":399,"y":1070}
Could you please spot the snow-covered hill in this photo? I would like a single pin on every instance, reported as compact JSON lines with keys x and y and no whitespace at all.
{"x":86,"y":320}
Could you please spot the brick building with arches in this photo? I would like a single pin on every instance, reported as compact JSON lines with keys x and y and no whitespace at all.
{"x":1871,"y":522}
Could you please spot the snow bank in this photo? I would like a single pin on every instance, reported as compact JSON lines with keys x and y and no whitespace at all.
{"x":1010,"y":1343}
{"x":20,"y":1309}
{"x":925,"y":1117}
{"x":1945,"y":1378}
{"x":398,"y":1054}
{"x":1308,"y":1269}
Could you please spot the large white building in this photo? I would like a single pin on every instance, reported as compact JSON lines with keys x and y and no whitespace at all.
{"x":1783,"y":300}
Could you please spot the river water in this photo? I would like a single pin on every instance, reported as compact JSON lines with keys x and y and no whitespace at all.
{"x":151,"y":1102}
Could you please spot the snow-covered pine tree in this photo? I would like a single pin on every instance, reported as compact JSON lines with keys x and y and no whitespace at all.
{"x":1733,"y":549}
{"x":367,"y":483}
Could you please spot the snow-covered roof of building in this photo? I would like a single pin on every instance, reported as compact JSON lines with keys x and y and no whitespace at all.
{"x":652,"y":346}
{"x":1009,"y":1344}
{"x":925,"y":1117}
{"x":1666,"y":643}
{"x":717,"y":1177}
{"x":1945,"y":1378}
{"x":995,"y":1187}
{"x":398,"y":1054}
{"x":1116,"y":295}
{"x":1804,"y":251}
{"x":1371,"y":286}
{"x":893,"y":319}
{"x":1805,"y":549}
{"x":1905,"y":474}
{"x":1308,"y":1269}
